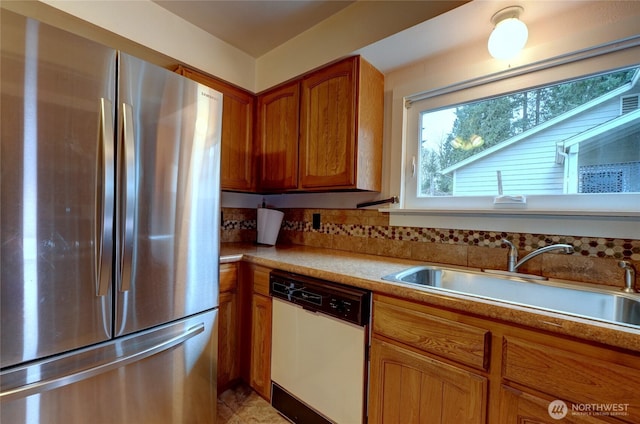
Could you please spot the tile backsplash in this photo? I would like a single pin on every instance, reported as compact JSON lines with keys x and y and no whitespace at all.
{"x":367,"y":231}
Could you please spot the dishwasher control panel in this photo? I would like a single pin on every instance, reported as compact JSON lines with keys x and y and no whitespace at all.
{"x":346,"y":303}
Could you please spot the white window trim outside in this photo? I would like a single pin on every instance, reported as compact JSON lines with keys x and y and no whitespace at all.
{"x":611,"y":215}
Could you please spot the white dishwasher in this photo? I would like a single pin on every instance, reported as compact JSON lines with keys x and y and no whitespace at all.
{"x":319,"y":350}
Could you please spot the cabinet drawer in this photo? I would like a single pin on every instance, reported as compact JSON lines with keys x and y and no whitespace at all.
{"x":452,"y":340}
{"x":261,"y":280}
{"x":574,"y":377}
{"x":228,"y":277}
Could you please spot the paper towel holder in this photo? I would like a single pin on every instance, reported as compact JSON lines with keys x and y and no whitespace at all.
{"x":393,"y":199}
{"x":268,"y":226}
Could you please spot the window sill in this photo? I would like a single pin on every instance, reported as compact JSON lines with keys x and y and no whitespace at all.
{"x":624,"y":225}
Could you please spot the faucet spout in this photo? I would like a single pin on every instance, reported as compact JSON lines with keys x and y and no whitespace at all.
{"x":512,"y":258}
{"x":566,"y":248}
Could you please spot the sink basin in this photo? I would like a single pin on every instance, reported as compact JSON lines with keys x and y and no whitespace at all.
{"x":593,"y":303}
{"x":425,"y":275}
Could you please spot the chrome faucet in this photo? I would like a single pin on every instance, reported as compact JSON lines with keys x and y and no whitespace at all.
{"x":513,"y":264}
{"x":629,"y":277}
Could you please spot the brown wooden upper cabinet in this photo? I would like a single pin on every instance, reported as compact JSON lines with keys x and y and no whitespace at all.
{"x":320,"y":132}
{"x":237,"y":161}
{"x":278,"y":120}
{"x":323,"y":131}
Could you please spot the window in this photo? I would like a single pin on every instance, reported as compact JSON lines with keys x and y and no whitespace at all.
{"x":550,"y":146}
{"x":533,"y":141}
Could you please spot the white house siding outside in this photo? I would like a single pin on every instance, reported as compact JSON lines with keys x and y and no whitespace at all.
{"x":529,"y":164}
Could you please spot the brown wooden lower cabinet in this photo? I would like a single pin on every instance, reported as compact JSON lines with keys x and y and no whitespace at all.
{"x":518,"y":407}
{"x":407,"y":387}
{"x":260,"y":365}
{"x":431,"y":365}
{"x":228,"y":363}
{"x":583,"y":377}
{"x":228,"y":329}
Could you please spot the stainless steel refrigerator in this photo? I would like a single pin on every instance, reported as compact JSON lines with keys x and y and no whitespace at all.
{"x":109,"y":234}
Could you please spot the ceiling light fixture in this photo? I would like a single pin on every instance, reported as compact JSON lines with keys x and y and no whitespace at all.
{"x":509,"y":35}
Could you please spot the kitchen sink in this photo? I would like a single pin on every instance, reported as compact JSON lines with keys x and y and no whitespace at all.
{"x":594,"y":303}
{"x":424,"y":275}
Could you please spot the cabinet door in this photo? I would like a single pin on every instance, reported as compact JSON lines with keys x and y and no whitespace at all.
{"x":228,"y":277}
{"x":328,"y":122}
{"x":517,"y":407}
{"x":586,"y":376}
{"x":237,"y":160}
{"x":228,"y":339}
{"x":278,"y":112}
{"x":260,"y":372}
{"x":407,"y":387}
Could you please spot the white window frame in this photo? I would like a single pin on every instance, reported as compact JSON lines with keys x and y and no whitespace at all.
{"x":612,"y":214}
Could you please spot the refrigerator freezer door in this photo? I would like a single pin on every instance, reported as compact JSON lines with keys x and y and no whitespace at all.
{"x":165,"y":375}
{"x":169,"y":193}
{"x":57,"y":94}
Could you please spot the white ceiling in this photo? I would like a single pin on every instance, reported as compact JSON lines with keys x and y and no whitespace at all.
{"x":258,"y":26}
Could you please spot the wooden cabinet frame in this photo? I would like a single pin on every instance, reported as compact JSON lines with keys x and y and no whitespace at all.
{"x":341,"y":112}
{"x":320,"y":132}
{"x":525,"y":369}
{"x":323,"y":131}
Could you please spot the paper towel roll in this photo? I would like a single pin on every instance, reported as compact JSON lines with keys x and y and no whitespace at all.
{"x":269,"y":221}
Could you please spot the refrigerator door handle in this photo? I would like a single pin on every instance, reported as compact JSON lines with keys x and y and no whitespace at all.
{"x":149,"y":346}
{"x":104,"y":199}
{"x":127,"y":193}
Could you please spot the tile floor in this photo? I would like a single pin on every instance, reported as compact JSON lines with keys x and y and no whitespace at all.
{"x":241,"y":405}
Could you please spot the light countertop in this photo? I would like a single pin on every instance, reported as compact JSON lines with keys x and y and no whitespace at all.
{"x":365,"y":271}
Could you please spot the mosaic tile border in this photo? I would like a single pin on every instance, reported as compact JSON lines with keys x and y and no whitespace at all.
{"x":234,"y":224}
{"x":621,"y":249}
